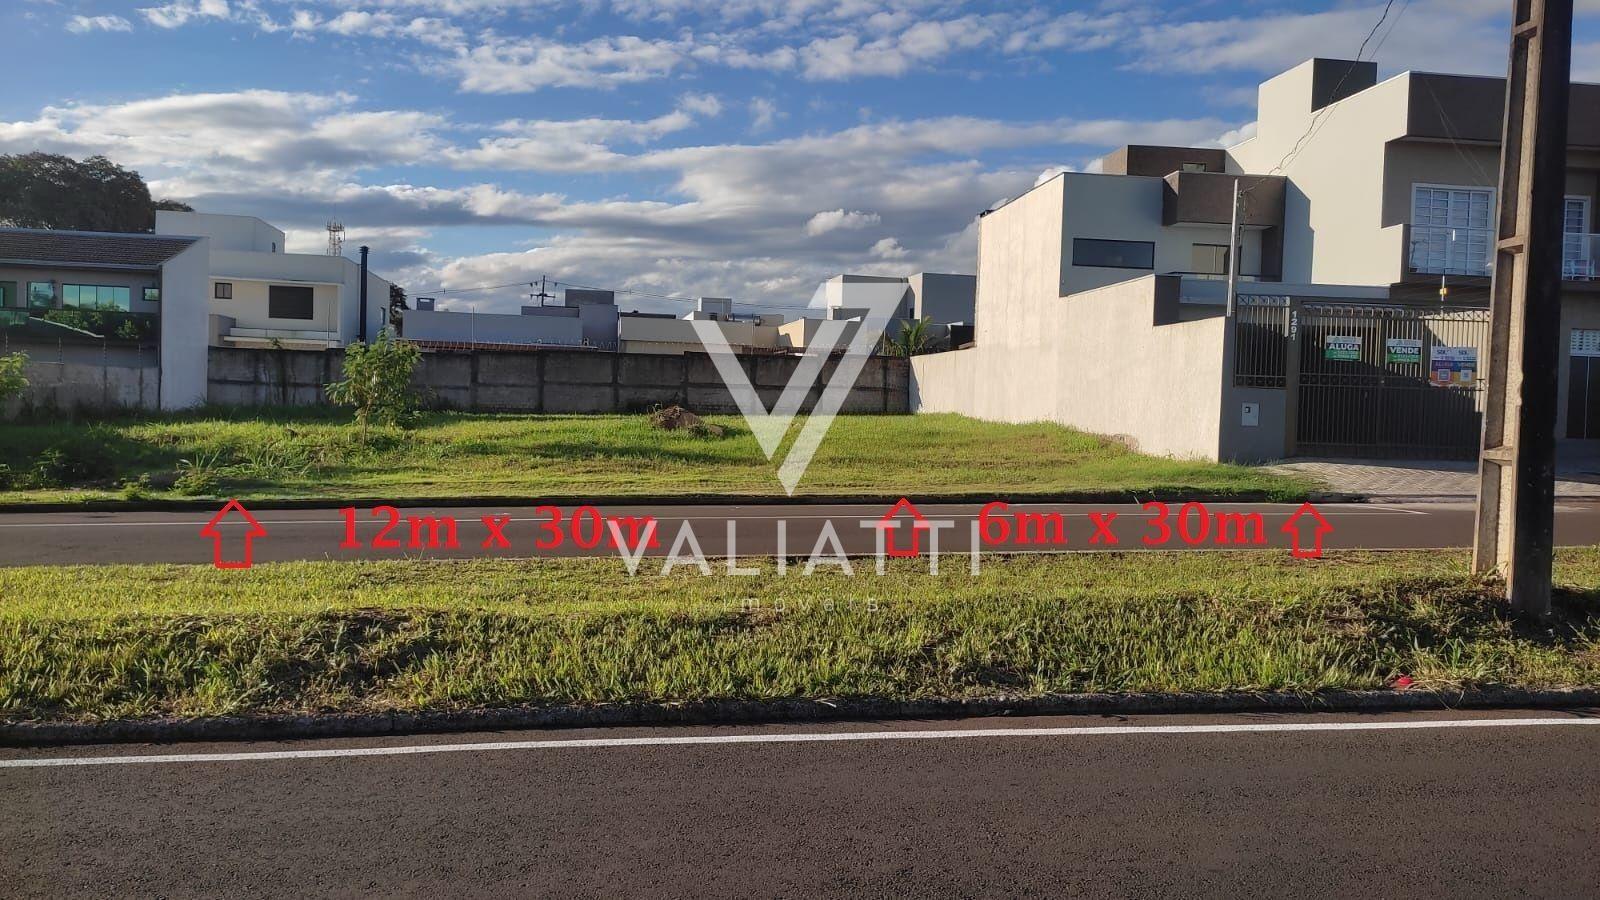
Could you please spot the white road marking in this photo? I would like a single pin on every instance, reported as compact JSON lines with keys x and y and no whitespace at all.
{"x":795,"y":738}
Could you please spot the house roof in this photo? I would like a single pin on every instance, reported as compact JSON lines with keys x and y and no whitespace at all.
{"x":89,"y":248}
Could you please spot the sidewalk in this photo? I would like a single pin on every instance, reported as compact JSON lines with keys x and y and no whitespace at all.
{"x":1428,"y":479}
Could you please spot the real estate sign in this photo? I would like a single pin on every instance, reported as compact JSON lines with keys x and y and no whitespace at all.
{"x":1341,"y":347}
{"x":1403,"y":351}
{"x":1452,"y":365}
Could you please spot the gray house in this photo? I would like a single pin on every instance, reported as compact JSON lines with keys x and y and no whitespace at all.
{"x":107,"y":320}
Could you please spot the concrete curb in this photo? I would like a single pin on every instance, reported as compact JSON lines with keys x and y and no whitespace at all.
{"x":212,"y":505}
{"x":747,"y":712}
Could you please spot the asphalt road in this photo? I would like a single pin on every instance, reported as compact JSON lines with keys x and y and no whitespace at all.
{"x":1396,"y":811}
{"x":144,"y":537}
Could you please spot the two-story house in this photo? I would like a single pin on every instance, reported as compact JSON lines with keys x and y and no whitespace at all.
{"x":263,"y":296}
{"x":1100,"y":300}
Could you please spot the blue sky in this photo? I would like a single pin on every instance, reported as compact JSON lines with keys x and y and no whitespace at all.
{"x":743,"y":148}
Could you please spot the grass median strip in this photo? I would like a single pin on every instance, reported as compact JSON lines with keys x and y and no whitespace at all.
{"x":86,"y":643}
{"x":317,"y":453}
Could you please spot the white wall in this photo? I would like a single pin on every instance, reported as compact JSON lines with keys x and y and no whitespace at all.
{"x":249,"y":307}
{"x":246,"y":233}
{"x":185,"y":327}
{"x":1334,"y":227}
{"x":1100,"y":364}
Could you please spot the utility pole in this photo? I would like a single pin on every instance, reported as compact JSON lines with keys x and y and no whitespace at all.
{"x":1234,"y":252}
{"x":1516,"y":487}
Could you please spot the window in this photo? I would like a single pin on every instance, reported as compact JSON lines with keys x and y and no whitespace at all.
{"x":1113,"y":254}
{"x":152,"y":295}
{"x":289,"y":302}
{"x":1209,"y":259}
{"x":96,"y":296}
{"x":1195,"y":167}
{"x":41,"y":294}
{"x":1450,"y":230}
{"x":1578,"y":249}
{"x":222,"y":290}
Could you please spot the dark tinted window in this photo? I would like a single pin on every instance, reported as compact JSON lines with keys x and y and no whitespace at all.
{"x":289,"y":302}
{"x":222,"y":290}
{"x":1113,"y":254}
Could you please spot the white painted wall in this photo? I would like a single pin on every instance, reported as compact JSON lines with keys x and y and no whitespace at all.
{"x":1099,"y":363}
{"x":185,"y":327}
{"x":246,"y":233}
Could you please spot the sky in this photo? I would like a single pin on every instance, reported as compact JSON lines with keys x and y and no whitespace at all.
{"x":678,"y":148}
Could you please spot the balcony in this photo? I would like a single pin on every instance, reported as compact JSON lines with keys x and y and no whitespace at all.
{"x":82,"y":325}
{"x":1441,"y":250}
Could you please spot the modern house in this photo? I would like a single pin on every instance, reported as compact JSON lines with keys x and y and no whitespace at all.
{"x":1103,"y":305}
{"x":262,"y":296}
{"x":107,"y":320}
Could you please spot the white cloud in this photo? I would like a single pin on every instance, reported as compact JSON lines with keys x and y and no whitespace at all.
{"x":700,"y":104}
{"x":512,"y":65}
{"x":889,"y":248}
{"x":85,"y":24}
{"x":835,"y":219}
{"x":177,"y":14}
{"x":763,"y":114}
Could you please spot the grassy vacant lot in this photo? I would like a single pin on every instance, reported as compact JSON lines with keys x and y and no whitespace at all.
{"x":290,"y":454}
{"x":94,"y":642}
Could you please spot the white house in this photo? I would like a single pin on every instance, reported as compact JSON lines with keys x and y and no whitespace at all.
{"x":263,"y":296}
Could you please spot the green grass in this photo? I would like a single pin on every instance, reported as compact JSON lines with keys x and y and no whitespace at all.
{"x":83,"y":643}
{"x":309,"y":454}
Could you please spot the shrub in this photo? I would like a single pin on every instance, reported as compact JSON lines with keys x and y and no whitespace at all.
{"x":12,"y":380}
{"x":377,"y":382}
{"x":199,"y":475}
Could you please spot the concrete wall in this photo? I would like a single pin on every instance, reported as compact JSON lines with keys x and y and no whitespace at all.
{"x":1111,"y":361}
{"x":551,"y":381}
{"x":71,"y":378}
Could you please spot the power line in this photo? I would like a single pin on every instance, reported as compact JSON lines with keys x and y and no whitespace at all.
{"x":590,"y":287}
{"x":1318,"y":120}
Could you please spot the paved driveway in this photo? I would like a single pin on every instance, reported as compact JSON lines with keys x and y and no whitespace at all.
{"x":1428,"y":479}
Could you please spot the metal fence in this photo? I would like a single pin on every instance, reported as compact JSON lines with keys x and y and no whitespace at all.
{"x":1367,"y":379}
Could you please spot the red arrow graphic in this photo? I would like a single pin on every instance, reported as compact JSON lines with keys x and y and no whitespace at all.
{"x":210,"y":531}
{"x":1293,"y":529}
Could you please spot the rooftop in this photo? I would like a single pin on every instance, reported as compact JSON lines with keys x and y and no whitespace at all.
{"x":89,"y":248}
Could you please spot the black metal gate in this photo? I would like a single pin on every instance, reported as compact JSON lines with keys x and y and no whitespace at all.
{"x":1369,"y":380}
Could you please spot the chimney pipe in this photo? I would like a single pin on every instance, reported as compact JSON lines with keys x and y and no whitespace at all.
{"x":362,"y":331}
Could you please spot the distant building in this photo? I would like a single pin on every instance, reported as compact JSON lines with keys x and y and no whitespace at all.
{"x":664,"y":333}
{"x":586,"y":318}
{"x":262,"y":296}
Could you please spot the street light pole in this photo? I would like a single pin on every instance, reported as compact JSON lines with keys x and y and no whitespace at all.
{"x":1516,"y":488}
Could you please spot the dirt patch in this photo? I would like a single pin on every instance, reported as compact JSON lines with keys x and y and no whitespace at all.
{"x":676,"y":418}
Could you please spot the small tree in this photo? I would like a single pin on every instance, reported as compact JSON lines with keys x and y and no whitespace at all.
{"x":912,"y":339}
{"x":12,"y":380}
{"x":397,"y":304}
{"x":377,"y":381}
